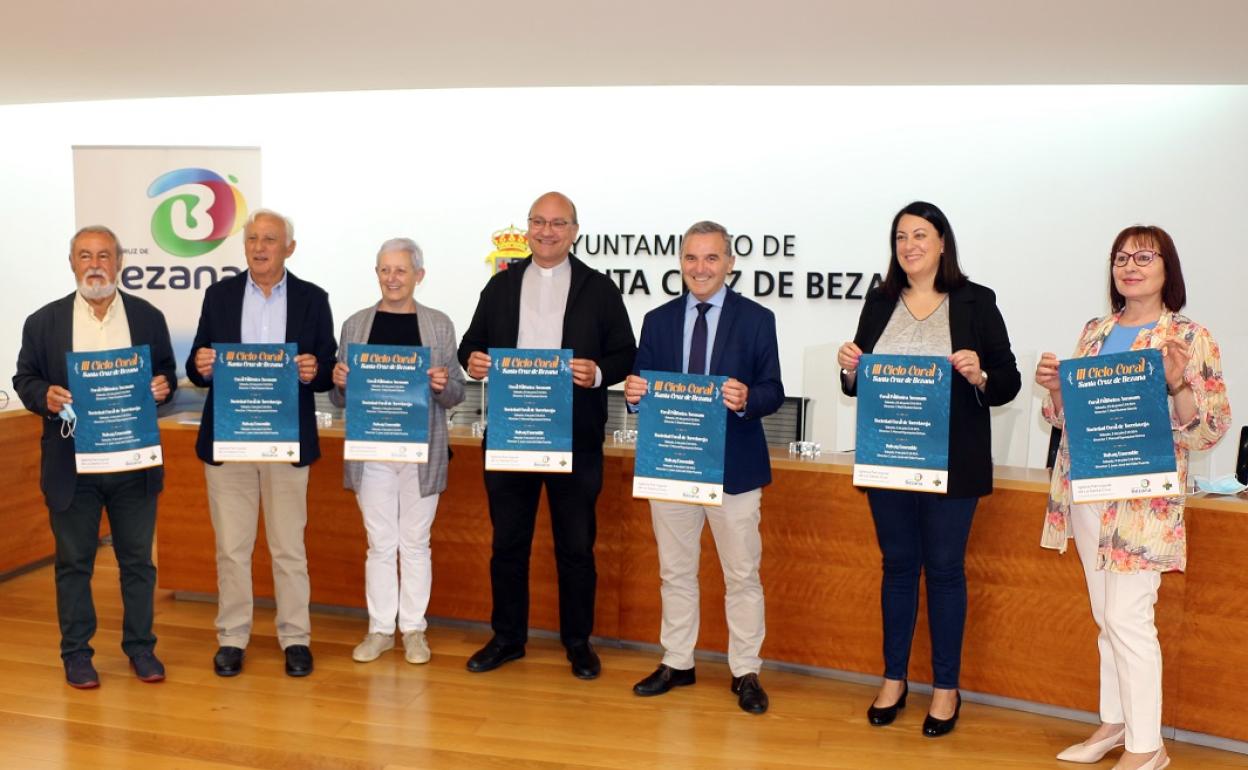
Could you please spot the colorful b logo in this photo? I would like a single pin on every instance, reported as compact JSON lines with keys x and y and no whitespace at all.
{"x":191,"y":224}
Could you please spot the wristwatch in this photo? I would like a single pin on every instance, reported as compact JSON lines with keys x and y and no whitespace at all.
{"x":983,"y":379}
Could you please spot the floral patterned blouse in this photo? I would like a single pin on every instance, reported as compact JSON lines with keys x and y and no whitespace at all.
{"x":1146,"y":534}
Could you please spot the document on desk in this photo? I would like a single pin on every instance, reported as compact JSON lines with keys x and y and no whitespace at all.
{"x":116,"y":428}
{"x":681,"y":424}
{"x":255,"y":403}
{"x":387,"y":410}
{"x":1118,"y":427}
{"x":530,"y":410}
{"x":903,"y":423}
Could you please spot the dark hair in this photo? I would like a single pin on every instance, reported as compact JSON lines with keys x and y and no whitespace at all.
{"x":1173,"y":290}
{"x":948,"y":276}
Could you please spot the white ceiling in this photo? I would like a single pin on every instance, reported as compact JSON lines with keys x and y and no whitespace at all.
{"x":72,"y":50}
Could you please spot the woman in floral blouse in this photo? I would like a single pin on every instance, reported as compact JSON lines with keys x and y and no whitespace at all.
{"x":1125,"y":545}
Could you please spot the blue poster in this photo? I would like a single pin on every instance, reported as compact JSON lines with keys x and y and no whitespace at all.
{"x":1118,"y":427}
{"x":530,"y":410}
{"x":255,"y":402}
{"x":681,"y":422}
{"x":116,"y":428}
{"x":387,"y":404}
{"x":903,"y":423}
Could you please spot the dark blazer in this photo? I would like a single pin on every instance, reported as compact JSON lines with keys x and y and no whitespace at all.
{"x":595,"y":326}
{"x":46,"y":337}
{"x":309,"y":324}
{"x":976,"y":324}
{"x":745,"y":348}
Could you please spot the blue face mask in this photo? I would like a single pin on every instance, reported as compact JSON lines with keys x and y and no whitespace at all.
{"x":1223,"y":485}
{"x":69,"y":420}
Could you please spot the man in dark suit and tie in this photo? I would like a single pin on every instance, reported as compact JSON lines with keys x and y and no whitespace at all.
{"x":265,"y":304}
{"x":95,"y":317}
{"x":551,"y":300}
{"x":713,"y":330}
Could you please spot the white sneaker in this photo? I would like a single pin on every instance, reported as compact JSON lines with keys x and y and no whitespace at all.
{"x":416,"y":648}
{"x":372,"y":647}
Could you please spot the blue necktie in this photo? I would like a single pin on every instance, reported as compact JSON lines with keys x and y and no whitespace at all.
{"x":697,"y":344}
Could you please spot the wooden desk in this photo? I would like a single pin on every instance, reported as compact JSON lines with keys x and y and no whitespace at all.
{"x":25,"y":538}
{"x":1029,"y":633}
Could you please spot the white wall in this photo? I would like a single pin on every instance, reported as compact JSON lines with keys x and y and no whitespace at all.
{"x":1036,"y":181}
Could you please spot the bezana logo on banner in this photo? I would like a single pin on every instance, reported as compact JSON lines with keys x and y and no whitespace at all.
{"x":182,"y":225}
{"x":179,"y":212}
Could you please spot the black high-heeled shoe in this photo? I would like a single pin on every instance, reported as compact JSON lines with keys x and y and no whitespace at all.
{"x":934,"y":728}
{"x":880,"y":716}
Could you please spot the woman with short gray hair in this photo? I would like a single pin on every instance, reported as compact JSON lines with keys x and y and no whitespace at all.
{"x":399,"y":500}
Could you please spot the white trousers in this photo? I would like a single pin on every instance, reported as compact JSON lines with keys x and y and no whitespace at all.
{"x":1122,"y":606}
{"x":398,"y":572}
{"x":236,"y":494}
{"x":678,"y":531}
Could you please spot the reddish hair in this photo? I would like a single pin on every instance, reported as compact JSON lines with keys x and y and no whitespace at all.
{"x":1173,"y":290}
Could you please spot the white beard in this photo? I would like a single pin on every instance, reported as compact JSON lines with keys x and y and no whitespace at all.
{"x":97,"y":291}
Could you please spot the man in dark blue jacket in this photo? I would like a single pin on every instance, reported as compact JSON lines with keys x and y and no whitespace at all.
{"x":713,"y":330}
{"x":266,"y":304}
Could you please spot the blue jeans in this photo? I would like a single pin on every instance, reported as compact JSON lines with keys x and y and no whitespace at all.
{"x":919,"y":531}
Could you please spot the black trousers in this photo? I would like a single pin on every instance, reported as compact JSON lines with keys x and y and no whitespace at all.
{"x":513,"y":500}
{"x":132,"y":519}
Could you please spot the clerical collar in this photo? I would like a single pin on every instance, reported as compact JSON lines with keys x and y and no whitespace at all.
{"x":550,"y":272}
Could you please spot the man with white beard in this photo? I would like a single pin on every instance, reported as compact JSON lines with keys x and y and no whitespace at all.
{"x":95,"y":317}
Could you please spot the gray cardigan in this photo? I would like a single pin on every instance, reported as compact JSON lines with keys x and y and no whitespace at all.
{"x":438,"y":334}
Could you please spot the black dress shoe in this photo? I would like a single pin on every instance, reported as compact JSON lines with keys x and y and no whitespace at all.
{"x":934,"y":728}
{"x":228,"y":661}
{"x":298,"y":660}
{"x":884,"y":715}
{"x":493,"y":655}
{"x":585,"y":662}
{"x":750,"y":694}
{"x":663,"y":679}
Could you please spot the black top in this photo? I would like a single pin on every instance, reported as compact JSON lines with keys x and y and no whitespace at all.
{"x":595,"y":326}
{"x":394,"y":329}
{"x":976,"y":324}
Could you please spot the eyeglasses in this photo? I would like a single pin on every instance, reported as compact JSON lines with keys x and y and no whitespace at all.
{"x":537,"y":223}
{"x":1143,"y":258}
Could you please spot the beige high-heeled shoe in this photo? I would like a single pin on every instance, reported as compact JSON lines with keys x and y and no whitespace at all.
{"x":1159,"y":761}
{"x":1091,"y":753}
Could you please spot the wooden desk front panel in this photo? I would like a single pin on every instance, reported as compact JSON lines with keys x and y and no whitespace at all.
{"x":25,"y":536}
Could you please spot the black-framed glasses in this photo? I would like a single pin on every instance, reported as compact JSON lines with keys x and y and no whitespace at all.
{"x":1142,"y":258}
{"x":537,"y":223}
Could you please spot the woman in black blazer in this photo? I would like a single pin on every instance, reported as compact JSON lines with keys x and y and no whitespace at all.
{"x":926,"y":306}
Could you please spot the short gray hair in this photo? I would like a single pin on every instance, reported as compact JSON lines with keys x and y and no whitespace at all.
{"x":405,"y":245}
{"x":97,"y":230}
{"x":707,"y":227}
{"x":290,"y":226}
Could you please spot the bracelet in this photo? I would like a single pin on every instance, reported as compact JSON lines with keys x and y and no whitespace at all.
{"x":1178,"y":390}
